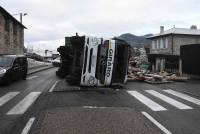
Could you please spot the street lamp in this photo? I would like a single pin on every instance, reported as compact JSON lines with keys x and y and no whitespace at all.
{"x":21,"y":15}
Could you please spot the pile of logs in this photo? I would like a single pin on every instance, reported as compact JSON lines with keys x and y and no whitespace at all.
{"x":153,"y":78}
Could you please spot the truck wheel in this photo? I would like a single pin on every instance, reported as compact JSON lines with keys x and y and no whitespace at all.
{"x":24,"y":76}
{"x":71,"y":80}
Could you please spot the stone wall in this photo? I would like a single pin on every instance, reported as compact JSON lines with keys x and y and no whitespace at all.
{"x":11,"y":42}
{"x":180,"y":40}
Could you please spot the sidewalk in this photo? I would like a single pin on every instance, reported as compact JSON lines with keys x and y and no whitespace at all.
{"x":38,"y":69}
{"x":36,"y":66}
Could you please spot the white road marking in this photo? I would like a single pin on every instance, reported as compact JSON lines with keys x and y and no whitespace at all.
{"x":169,"y":100}
{"x":28,"y":125}
{"x":7,"y":97}
{"x":54,"y":85}
{"x":24,"y":104}
{"x":32,"y":77}
{"x":94,"y":107}
{"x":148,"y":102}
{"x":183,"y":96}
{"x":161,"y":127}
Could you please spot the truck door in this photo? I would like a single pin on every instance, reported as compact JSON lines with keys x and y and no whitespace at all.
{"x":105,"y":62}
{"x":16,"y":69}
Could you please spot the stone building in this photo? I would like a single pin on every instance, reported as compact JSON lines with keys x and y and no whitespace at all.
{"x":165,"y":47}
{"x":11,"y":34}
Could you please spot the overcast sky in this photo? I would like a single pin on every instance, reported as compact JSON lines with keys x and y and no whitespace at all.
{"x":49,"y":21}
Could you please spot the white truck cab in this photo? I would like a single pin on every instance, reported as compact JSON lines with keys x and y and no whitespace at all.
{"x":92,"y":61}
{"x":100,"y":62}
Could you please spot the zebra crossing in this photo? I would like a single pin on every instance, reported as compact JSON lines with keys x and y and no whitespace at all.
{"x":7,"y":97}
{"x":148,"y":102}
{"x":22,"y":106}
{"x":163,"y":96}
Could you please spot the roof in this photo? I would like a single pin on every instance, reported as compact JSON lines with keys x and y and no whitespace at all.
{"x":10,"y":16}
{"x":183,"y":31}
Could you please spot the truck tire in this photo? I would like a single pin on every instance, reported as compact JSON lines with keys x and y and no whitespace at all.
{"x":72,"y":80}
{"x":24,"y":76}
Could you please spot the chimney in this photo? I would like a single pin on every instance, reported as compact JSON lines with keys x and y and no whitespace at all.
{"x":162,"y":29}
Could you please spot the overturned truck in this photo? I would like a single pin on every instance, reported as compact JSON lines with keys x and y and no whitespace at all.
{"x":91,"y":61}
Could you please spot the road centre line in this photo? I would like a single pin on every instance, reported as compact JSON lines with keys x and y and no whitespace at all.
{"x":54,"y":85}
{"x":28,"y":126}
{"x":161,"y":127}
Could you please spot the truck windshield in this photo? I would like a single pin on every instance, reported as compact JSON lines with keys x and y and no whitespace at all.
{"x":5,"y":61}
{"x":102,"y":61}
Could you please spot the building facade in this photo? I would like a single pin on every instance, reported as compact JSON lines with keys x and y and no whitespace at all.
{"x":165,"y":47}
{"x":11,"y":34}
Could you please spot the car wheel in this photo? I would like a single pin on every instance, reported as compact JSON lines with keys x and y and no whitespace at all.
{"x":7,"y":81}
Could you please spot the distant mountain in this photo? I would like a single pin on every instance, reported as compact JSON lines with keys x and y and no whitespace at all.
{"x":136,"y":41}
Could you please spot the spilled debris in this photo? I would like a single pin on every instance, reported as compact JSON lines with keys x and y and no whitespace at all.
{"x":139,"y":70}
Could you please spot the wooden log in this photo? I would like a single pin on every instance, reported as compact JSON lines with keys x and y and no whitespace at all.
{"x":159,"y":77}
{"x":178,"y":79}
{"x":158,"y":82}
{"x":149,"y":78}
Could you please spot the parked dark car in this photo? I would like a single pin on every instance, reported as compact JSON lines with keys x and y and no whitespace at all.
{"x":12,"y":67}
{"x":56,"y":62}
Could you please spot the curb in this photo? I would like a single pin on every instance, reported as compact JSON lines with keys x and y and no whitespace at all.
{"x":37,"y":66}
{"x":42,"y":69}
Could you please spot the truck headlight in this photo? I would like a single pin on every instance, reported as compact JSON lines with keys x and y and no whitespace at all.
{"x":2,"y":71}
{"x":91,"y":80}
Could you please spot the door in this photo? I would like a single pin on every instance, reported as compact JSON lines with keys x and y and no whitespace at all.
{"x":22,"y":67}
{"x":16,"y":69}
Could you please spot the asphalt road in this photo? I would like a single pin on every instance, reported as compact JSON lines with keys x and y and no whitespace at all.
{"x":45,"y":104}
{"x":30,"y":91}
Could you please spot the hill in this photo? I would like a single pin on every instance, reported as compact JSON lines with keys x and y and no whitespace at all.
{"x":136,"y":41}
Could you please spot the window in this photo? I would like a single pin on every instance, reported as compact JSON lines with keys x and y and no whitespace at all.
{"x":90,"y":60}
{"x":16,"y":62}
{"x":157,"y":44}
{"x":166,"y":43}
{"x":161,"y":43}
{"x":7,"y":26}
{"x":21,"y":61}
{"x":14,"y":28}
{"x":85,"y":60}
{"x":153,"y":44}
{"x":5,"y":61}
